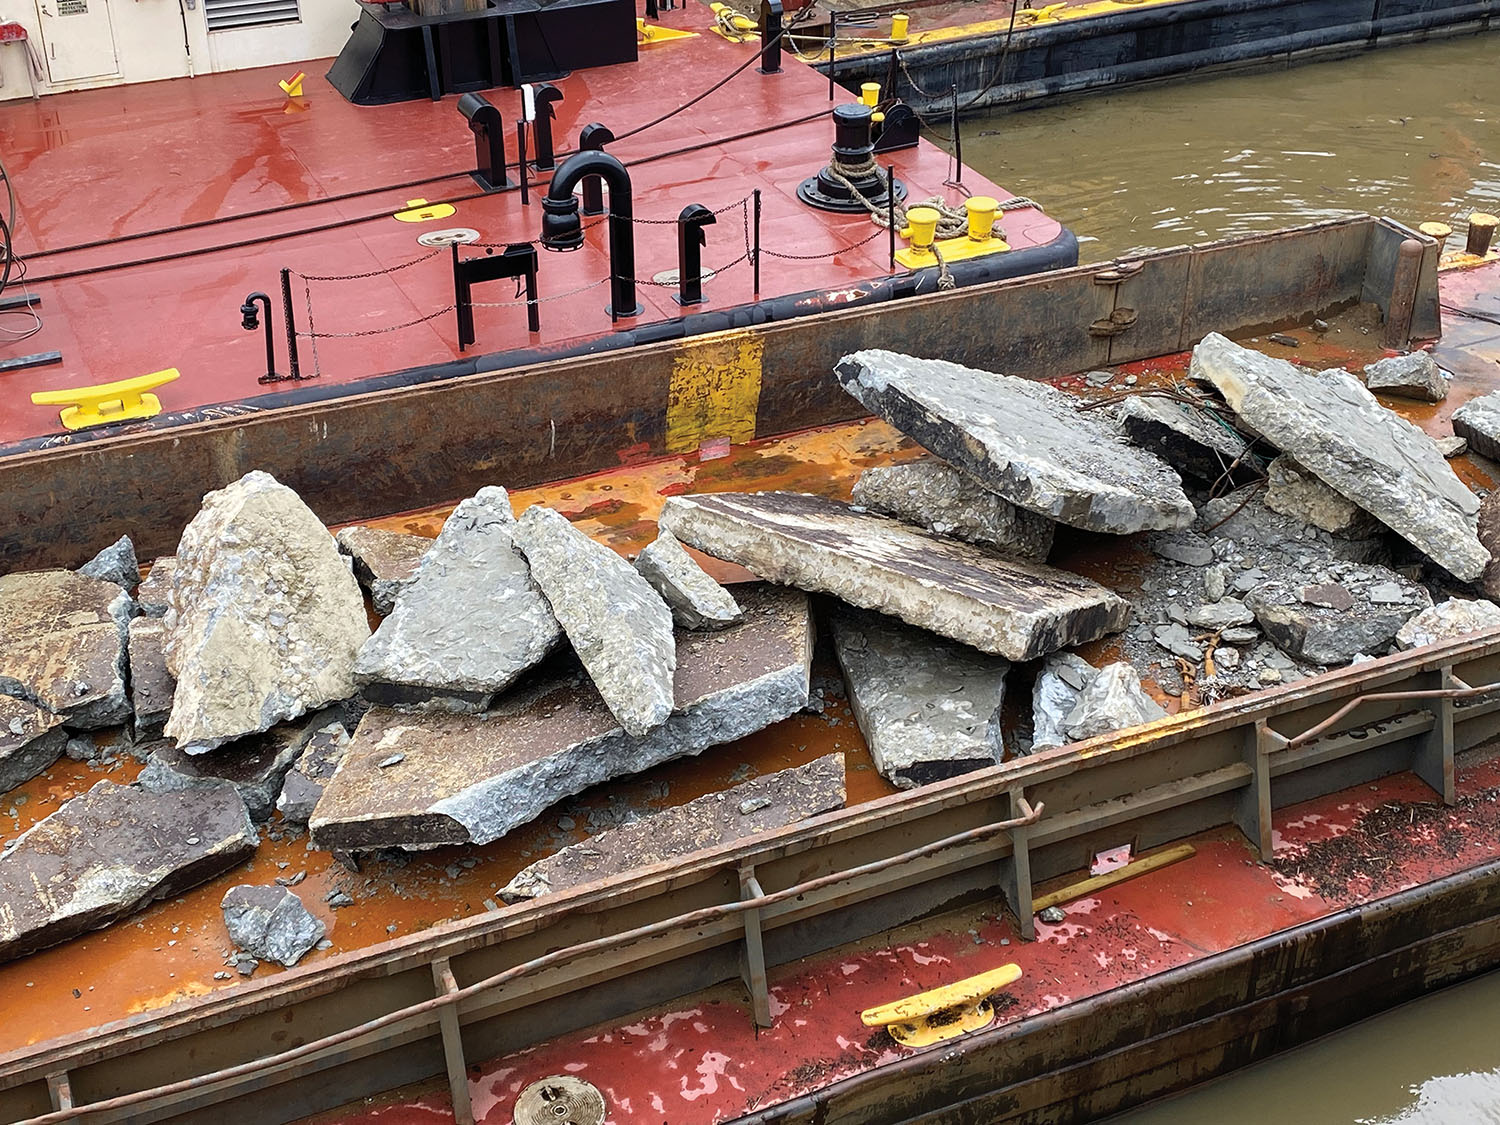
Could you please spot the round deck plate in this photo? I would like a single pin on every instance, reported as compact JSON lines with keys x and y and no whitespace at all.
{"x":448,"y":237}
{"x":560,"y":1099}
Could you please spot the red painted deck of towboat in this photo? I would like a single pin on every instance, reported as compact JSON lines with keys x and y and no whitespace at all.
{"x":105,"y":164}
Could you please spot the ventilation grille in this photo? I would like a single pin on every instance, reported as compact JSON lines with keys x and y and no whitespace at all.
{"x":226,"y":15}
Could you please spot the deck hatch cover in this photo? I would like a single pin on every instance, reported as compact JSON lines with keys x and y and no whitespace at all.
{"x":226,"y":15}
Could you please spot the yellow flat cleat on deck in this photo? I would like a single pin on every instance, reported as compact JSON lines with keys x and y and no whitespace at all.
{"x":942,"y":1013}
{"x":107,"y":402}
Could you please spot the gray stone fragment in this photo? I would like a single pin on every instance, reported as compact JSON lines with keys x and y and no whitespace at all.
{"x":385,"y":562}
{"x":1186,"y":548}
{"x":1063,"y":677}
{"x":116,"y":563}
{"x":1451,"y":447}
{"x":265,"y":619}
{"x":1455,"y":617}
{"x":111,"y":851}
{"x":1270,"y":537}
{"x":1193,"y":440}
{"x":1014,"y":608}
{"x":151,"y":685}
{"x":1293,"y":491}
{"x":62,"y":645}
{"x":1113,"y":700}
{"x":1178,"y":641}
{"x":617,"y":624}
{"x":1024,"y":440}
{"x":304,"y":782}
{"x":711,"y":821}
{"x":1215,"y":582}
{"x":1337,"y":430}
{"x":1386,"y":593}
{"x":929,"y":708}
{"x":1478,"y":422}
{"x":1415,"y":375}
{"x":1053,"y":915}
{"x":1239,"y":636}
{"x":1321,"y":635}
{"x":270,"y":923}
{"x":695,"y":599}
{"x":468,"y":623}
{"x":30,"y":741}
{"x":471,"y":779}
{"x":254,"y":765}
{"x":1224,"y":614}
{"x":1489,"y":535}
{"x":938,"y":497}
{"x":155,"y":591}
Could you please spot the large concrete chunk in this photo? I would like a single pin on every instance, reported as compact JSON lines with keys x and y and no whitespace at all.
{"x":1337,"y":430}
{"x":1478,"y":422}
{"x":929,"y":709}
{"x":938,"y":497}
{"x":711,"y":821}
{"x":618,"y":625}
{"x":1456,"y":617}
{"x":468,"y":624}
{"x":1293,"y":491}
{"x":116,"y":563}
{"x":30,"y":741}
{"x":1415,"y":375}
{"x":151,"y":684}
{"x":696,"y":600}
{"x":1012,"y":607}
{"x":385,"y":562}
{"x":111,"y":851}
{"x":303,"y":785}
{"x":1334,"y":616}
{"x":1112,"y":700}
{"x":1190,"y":439}
{"x":1026,"y":441}
{"x":270,"y":923}
{"x":419,"y":780}
{"x":62,"y":645}
{"x":265,"y":619}
{"x":1054,"y":695}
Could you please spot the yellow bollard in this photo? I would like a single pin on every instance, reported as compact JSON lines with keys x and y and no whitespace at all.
{"x":1481,"y":232}
{"x":869,"y":93}
{"x":922,"y":224}
{"x":900,"y":27}
{"x":982,"y":210}
{"x":1438,"y":231}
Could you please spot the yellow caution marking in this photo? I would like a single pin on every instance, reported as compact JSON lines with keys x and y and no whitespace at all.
{"x":942,"y":1013}
{"x":107,"y":402}
{"x":715,"y":390}
{"x":292,"y":87}
{"x":420,"y":211}
{"x":650,"y":34}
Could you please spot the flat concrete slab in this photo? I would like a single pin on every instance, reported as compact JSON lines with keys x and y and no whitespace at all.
{"x":696,"y":600}
{"x":937,"y":496}
{"x":1011,"y":607}
{"x":151,"y":684}
{"x":385,"y":562}
{"x":31,"y":739}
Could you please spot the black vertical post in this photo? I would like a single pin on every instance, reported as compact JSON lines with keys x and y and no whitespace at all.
{"x":691,"y":238}
{"x":958,"y":142}
{"x":755,"y":250}
{"x":594,"y":136}
{"x":461,"y":310}
{"x":770,"y":36}
{"x":890,"y":210}
{"x":651,"y":10}
{"x":833,"y":48}
{"x":544,"y":97}
{"x":521,"y":162}
{"x":291,"y":324}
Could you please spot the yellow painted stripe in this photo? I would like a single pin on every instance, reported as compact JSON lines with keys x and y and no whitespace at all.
{"x":715,"y":390}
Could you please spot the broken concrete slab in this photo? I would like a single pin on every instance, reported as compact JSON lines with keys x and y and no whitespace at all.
{"x":155,"y":591}
{"x":1337,"y":430}
{"x":1025,"y":441}
{"x":1456,"y":617}
{"x":1185,"y":547}
{"x":937,"y":496}
{"x":1300,"y":618}
{"x":31,"y":739}
{"x":270,"y":923}
{"x":1451,"y":447}
{"x":469,"y":622}
{"x":695,"y":599}
{"x":1014,"y":608}
{"x":151,"y":684}
{"x":62,"y":645}
{"x":471,"y":779}
{"x":1223,"y":614}
{"x":265,"y":619}
{"x":304,"y":782}
{"x":116,"y":563}
{"x":1478,"y":422}
{"x":109,"y":852}
{"x":385,"y":562}
{"x":1191,"y":439}
{"x":1415,"y":375}
{"x":711,"y":821}
{"x":929,"y":708}
{"x":617,"y":624}
{"x":1055,"y":693}
{"x":1489,"y":535}
{"x":1270,"y":536}
{"x":1112,"y":700}
{"x":1295,"y":492}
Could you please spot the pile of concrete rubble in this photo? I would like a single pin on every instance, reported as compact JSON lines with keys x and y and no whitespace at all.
{"x":517,"y":663}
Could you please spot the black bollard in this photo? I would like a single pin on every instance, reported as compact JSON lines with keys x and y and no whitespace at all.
{"x":691,"y":238}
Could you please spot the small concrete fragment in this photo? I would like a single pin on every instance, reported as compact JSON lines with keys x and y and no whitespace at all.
{"x":270,"y":923}
{"x":1014,"y":608}
{"x":111,"y":851}
{"x":151,"y":684}
{"x":385,"y":562}
{"x":305,"y":781}
{"x":929,"y":709}
{"x":468,"y":623}
{"x":1455,"y":617}
{"x":1415,"y":375}
{"x":1293,"y":491}
{"x":117,"y":564}
{"x":471,"y":779}
{"x":1451,"y":447}
{"x":1193,"y":440}
{"x":62,"y":645}
{"x":1025,"y":441}
{"x":1220,"y":615}
{"x":1316,"y":633}
{"x":1113,"y":700}
{"x":711,"y":821}
{"x":30,"y":741}
{"x":1489,"y":535}
{"x":618,"y":625}
{"x":254,"y":765}
{"x":695,"y":599}
{"x":154,"y":593}
{"x":1478,"y":422}
{"x":1187,"y":548}
{"x":938,"y":497}
{"x":1338,"y":431}
{"x":1063,"y":678}
{"x":265,"y":620}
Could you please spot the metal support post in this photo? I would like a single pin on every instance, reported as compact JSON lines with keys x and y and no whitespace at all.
{"x":753,"y":968}
{"x":1433,"y":759}
{"x":833,"y":49}
{"x":755,"y":249}
{"x":1015,"y":872}
{"x":1252,"y":809}
{"x":453,"y":1043}
{"x":770,"y":36}
{"x":958,"y":143}
{"x":890,"y":211}
{"x":521,"y":163}
{"x":60,"y":1090}
{"x":291,"y":324}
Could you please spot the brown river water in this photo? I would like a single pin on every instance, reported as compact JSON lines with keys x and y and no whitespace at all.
{"x":1412,"y":133}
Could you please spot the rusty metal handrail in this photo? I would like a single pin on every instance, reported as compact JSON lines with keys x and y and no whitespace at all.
{"x":1464,"y":692}
{"x":1030,"y":815}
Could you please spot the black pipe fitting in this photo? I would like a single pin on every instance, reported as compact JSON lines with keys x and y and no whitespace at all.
{"x":563,"y":230}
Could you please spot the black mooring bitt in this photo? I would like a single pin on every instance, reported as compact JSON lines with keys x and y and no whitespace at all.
{"x":489,"y":141}
{"x":900,"y":129}
{"x":691,"y":238}
{"x":519,"y":259}
{"x":593,"y":138}
{"x":543,"y":97}
{"x":771,"y":36}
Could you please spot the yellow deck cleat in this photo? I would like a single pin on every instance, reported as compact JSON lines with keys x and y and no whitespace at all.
{"x":292,"y":87}
{"x":650,"y":34}
{"x":108,"y":402}
{"x":420,"y":211}
{"x":942,"y":1013}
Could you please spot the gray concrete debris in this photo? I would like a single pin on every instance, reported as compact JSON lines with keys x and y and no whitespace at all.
{"x":270,"y":923}
{"x":116,"y":563}
{"x":1478,"y":422}
{"x":1489,"y":535}
{"x":1063,"y":678}
{"x":937,"y":496}
{"x":1455,"y":617}
{"x":30,"y":741}
{"x":1415,"y":375}
{"x":385,"y":562}
{"x":1053,"y":915}
{"x":1295,"y":492}
{"x":1338,"y":431}
{"x":151,"y":684}
{"x":1024,"y":440}
{"x":305,"y":781}
{"x":1112,"y":700}
{"x":468,"y":624}
{"x":1193,"y":440}
{"x":471,"y":779}
{"x":929,"y":708}
{"x":711,"y":821}
{"x":1215,"y":582}
{"x":1220,"y":615}
{"x":617,"y":624}
{"x":1269,"y":536}
{"x":1299,"y":618}
{"x":155,"y":591}
{"x":1186,"y":547}
{"x":265,"y":620}
{"x":109,"y":852}
{"x":1014,"y":608}
{"x":1451,"y":447}
{"x":62,"y":645}
{"x":1178,"y":640}
{"x":695,"y":599}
